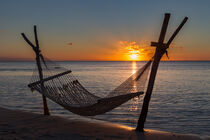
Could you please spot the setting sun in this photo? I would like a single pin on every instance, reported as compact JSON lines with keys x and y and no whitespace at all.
{"x":134,"y":51}
{"x":134,"y":56}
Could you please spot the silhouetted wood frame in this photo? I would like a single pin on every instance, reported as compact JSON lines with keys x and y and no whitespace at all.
{"x":38,"y":55}
{"x":161,"y":49}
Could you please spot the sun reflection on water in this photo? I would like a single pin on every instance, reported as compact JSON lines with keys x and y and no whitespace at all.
{"x":134,"y":89}
{"x":133,"y":105}
{"x":133,"y":67}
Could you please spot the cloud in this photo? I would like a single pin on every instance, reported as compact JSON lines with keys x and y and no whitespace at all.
{"x":132,"y":47}
{"x":143,"y":49}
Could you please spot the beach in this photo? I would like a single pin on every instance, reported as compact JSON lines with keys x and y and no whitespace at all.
{"x":180,"y":103}
{"x":22,"y":125}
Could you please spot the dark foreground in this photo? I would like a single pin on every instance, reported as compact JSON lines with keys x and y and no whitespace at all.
{"x":20,"y":125}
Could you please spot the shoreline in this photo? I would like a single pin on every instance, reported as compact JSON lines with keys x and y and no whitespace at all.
{"x":22,"y":125}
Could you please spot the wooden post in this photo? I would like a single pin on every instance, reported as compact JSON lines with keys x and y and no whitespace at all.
{"x":37,"y":52}
{"x":160,"y":51}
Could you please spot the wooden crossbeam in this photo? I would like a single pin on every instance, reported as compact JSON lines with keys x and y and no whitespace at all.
{"x":176,"y":31}
{"x":155,"y":44}
{"x":28,"y":41}
{"x":37,"y":52}
{"x":164,"y":29}
{"x":160,"y":50}
{"x":36,"y":38}
{"x":166,"y":45}
{"x":49,"y":78}
{"x":145,"y":106}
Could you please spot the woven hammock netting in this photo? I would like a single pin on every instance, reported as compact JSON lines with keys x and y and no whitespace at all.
{"x":61,"y":86}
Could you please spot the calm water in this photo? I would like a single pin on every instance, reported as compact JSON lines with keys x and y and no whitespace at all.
{"x":180,"y":101}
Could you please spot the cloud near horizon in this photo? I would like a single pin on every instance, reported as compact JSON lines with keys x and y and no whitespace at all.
{"x":142,"y":50}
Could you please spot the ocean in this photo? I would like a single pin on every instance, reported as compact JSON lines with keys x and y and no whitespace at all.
{"x":180,"y":101}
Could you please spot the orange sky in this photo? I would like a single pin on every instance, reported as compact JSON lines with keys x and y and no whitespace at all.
{"x":103,"y":31}
{"x":120,"y":51}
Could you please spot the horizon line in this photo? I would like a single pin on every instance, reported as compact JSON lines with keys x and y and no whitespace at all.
{"x":25,"y":60}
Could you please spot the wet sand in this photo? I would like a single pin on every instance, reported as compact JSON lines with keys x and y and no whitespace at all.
{"x":21,"y":125}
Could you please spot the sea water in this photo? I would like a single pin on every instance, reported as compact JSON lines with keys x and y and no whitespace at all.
{"x":180,"y":101}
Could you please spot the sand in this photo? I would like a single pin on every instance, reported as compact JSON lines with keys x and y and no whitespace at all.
{"x":21,"y":125}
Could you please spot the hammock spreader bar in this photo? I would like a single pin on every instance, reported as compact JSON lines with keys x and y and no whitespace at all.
{"x":49,"y":78}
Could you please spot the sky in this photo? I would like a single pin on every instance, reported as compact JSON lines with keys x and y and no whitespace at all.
{"x":103,"y":30}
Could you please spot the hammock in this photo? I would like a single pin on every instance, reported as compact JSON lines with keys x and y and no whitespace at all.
{"x":62,"y":87}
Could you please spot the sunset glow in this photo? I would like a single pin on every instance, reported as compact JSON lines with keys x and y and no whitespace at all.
{"x":134,"y":56}
{"x":102,"y":31}
{"x":136,"y":51}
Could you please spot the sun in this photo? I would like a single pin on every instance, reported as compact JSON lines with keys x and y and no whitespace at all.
{"x":134,"y":56}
